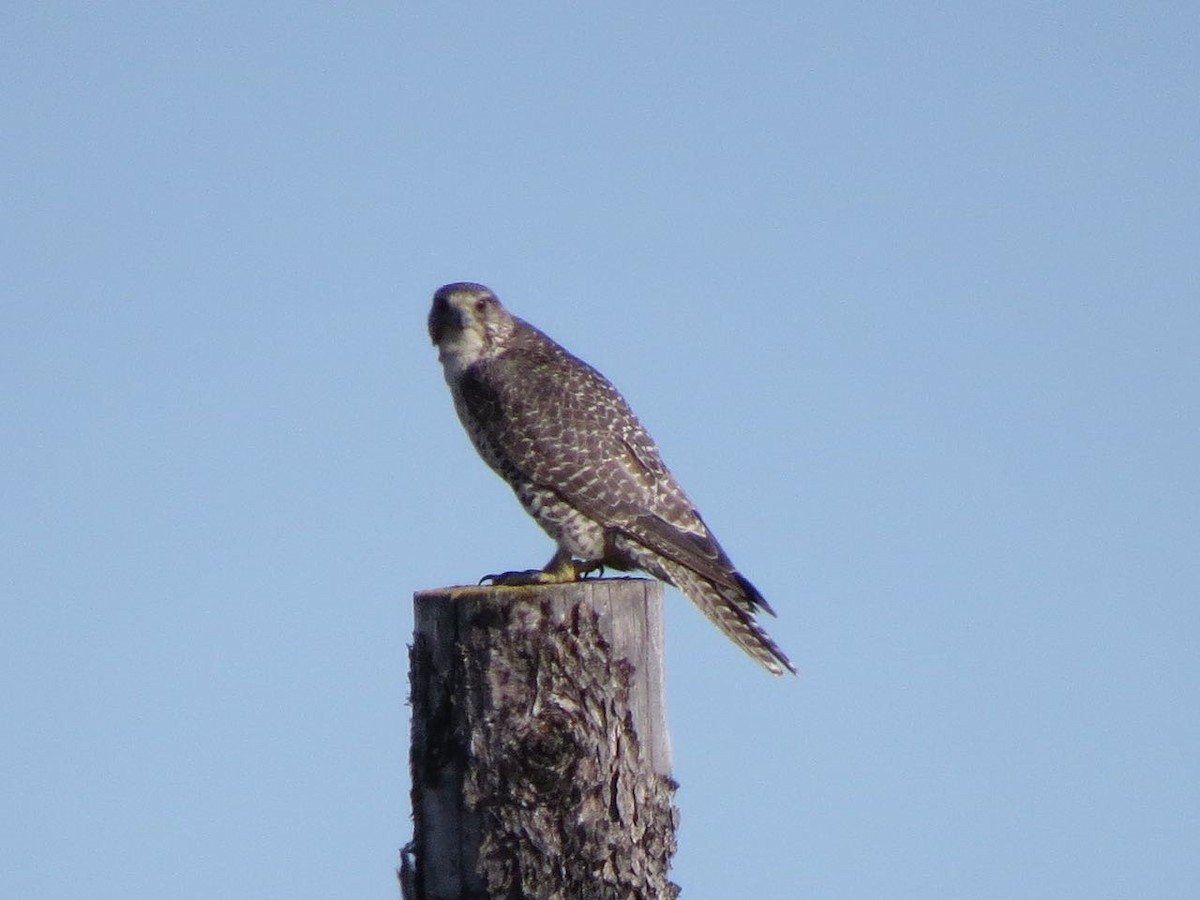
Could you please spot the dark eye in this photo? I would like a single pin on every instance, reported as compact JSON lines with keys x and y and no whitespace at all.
{"x":481,"y":304}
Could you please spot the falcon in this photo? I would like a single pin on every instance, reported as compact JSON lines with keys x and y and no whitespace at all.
{"x":583,"y":466}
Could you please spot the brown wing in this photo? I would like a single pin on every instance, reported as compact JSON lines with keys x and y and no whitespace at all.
{"x":548,"y":418}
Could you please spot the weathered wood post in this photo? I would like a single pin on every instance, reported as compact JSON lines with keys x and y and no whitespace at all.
{"x":540,"y":755}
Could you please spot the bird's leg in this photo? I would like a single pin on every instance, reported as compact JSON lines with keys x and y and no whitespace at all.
{"x":584,"y":569}
{"x":561,"y":569}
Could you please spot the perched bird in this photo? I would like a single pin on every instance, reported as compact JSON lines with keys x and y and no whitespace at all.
{"x":582,"y":465}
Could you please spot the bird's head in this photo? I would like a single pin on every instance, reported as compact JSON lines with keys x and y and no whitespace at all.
{"x":467,"y":323}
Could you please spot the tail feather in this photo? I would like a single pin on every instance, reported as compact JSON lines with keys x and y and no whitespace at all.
{"x":733,"y":611}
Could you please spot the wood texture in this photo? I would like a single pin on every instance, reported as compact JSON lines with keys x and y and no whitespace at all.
{"x":540,"y":755}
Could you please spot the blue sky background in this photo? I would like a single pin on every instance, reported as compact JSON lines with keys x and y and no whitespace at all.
{"x":908,"y":295}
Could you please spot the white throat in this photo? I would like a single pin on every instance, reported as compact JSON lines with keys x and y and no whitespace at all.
{"x":460,"y":352}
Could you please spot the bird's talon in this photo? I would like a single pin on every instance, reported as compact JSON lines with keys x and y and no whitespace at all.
{"x":583,"y":571}
{"x":514,"y":579}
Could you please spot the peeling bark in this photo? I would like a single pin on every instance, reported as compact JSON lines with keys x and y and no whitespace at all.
{"x":540,"y":757}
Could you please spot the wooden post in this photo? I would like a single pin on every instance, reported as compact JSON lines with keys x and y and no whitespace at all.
{"x":540,"y":755}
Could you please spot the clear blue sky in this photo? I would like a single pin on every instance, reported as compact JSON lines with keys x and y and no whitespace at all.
{"x":909,"y":296}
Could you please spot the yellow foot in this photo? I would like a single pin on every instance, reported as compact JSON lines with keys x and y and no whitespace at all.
{"x":556,"y":572}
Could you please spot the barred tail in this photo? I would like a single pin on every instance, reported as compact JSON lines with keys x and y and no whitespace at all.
{"x":733,"y":611}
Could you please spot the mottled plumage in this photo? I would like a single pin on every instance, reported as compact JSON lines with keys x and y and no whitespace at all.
{"x":582,"y":464}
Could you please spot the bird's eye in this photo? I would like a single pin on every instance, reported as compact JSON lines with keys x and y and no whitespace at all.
{"x":481,"y":304}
